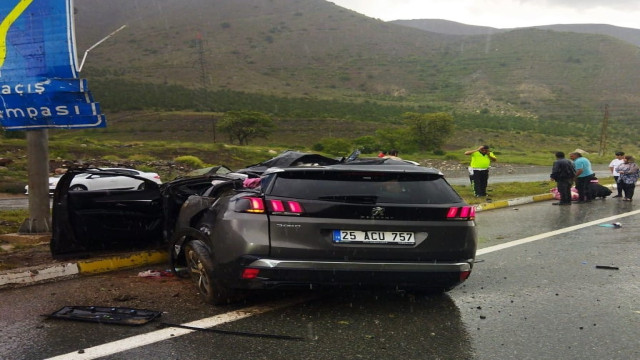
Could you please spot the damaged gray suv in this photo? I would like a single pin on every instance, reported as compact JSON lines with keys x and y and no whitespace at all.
{"x":313,"y":222}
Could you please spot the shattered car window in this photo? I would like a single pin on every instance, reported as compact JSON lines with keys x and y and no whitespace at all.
{"x":380,"y":187}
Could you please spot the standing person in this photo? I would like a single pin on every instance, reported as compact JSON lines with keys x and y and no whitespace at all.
{"x":612,"y":167}
{"x":584,"y":175}
{"x":563,"y":173}
{"x":393,"y":154}
{"x":481,"y":159}
{"x":629,"y":173}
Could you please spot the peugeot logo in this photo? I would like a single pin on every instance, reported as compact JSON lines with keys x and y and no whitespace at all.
{"x":377,"y":211}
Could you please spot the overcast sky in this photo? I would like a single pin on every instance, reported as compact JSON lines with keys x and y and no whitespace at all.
{"x":503,"y":13}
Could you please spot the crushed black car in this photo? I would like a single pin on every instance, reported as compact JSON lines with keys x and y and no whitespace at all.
{"x":298,"y":220}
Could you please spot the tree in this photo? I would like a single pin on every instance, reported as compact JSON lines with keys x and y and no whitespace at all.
{"x":429,"y":131}
{"x":246,"y":125}
{"x":336,"y":146}
{"x":395,"y":138}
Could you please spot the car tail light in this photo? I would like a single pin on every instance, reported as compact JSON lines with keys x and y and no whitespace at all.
{"x":276,"y":206}
{"x":256,"y":205}
{"x":461,"y":213}
{"x":286,"y":206}
{"x":464,"y":275}
{"x":290,"y":207}
{"x":250,"y":273}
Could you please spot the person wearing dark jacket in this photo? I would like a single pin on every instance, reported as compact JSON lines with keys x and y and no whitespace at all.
{"x":563,"y":173}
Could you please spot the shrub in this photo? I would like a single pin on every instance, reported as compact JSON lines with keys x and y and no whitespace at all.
{"x":337,"y":146}
{"x":191,"y":161}
{"x":367,"y":144}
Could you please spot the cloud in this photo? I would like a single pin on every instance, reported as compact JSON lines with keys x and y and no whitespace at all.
{"x":584,"y":4}
{"x":503,"y":13}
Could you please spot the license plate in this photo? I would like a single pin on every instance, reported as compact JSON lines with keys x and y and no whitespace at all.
{"x":374,"y":237}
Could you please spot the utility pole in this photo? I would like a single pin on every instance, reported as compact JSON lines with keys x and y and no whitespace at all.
{"x":204,"y":82}
{"x":603,"y":132}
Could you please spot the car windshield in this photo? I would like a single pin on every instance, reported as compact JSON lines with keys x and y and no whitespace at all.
{"x":365,"y":187}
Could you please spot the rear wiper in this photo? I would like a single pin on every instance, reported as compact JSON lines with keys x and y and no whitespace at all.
{"x":366,"y":199}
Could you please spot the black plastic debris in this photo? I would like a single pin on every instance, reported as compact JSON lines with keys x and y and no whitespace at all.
{"x":607,"y":267}
{"x":106,"y":315}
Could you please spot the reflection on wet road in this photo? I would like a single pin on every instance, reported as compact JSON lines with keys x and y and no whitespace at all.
{"x":517,"y":174}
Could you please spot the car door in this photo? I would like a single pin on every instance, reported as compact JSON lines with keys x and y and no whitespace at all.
{"x":105,"y":220}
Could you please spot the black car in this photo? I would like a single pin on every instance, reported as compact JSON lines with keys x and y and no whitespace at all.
{"x":313,"y":222}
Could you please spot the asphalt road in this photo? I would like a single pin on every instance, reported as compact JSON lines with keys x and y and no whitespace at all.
{"x":517,"y":174}
{"x":535,"y":293}
{"x":16,"y":202}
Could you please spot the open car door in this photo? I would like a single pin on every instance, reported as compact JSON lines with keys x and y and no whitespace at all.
{"x":85,"y":222}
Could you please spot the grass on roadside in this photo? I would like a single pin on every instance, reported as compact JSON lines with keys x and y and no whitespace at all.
{"x":10,"y":220}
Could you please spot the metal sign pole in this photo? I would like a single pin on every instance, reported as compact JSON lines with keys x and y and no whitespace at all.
{"x":39,"y":220}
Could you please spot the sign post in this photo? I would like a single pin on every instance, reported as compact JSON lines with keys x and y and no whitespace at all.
{"x":39,"y":220}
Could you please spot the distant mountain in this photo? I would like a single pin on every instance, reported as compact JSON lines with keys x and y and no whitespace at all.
{"x":447,"y":27}
{"x":455,"y":28}
{"x":314,"y":50}
{"x":626,"y":34}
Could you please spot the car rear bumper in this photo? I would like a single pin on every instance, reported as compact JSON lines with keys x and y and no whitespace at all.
{"x":406,"y":275}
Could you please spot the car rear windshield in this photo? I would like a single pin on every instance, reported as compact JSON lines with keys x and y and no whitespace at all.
{"x":364,"y":187}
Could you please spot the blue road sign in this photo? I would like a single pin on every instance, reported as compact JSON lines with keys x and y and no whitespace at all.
{"x":39,"y":88}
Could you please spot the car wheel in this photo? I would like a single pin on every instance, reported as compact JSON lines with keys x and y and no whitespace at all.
{"x":200,"y":266}
{"x":78,"y":188}
{"x":142,"y":186}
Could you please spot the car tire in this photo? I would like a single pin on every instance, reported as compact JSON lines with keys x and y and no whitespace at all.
{"x":200,"y":266}
{"x":78,"y":188}
{"x":142,"y":186}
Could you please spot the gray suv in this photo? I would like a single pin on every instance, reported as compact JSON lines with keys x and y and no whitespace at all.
{"x":366,"y":222}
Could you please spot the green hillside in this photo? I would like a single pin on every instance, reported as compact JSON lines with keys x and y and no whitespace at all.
{"x":313,"y":59}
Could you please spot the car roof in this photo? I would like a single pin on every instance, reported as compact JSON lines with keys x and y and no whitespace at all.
{"x":299,"y":161}
{"x":118,"y":169}
{"x":388,"y":166}
{"x":96,"y":169}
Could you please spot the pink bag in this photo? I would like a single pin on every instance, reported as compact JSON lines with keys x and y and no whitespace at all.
{"x":574,"y":194}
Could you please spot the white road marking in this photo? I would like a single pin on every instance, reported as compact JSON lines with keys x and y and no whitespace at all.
{"x":171,"y":332}
{"x":529,"y":239}
{"x":168,"y":333}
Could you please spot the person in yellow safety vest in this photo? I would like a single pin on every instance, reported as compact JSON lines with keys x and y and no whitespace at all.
{"x":481,"y":159}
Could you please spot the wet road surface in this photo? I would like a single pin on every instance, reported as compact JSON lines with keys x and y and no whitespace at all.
{"x":542,"y":299}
